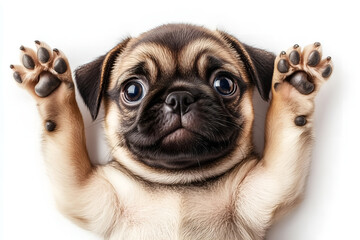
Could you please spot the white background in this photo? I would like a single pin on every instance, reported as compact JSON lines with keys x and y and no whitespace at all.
{"x":87,"y":29}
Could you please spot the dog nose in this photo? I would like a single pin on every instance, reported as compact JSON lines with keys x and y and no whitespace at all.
{"x":179,"y":101}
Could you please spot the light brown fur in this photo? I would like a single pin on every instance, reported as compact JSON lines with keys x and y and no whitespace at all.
{"x":237,"y":198}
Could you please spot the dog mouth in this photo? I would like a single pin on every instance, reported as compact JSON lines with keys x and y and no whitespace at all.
{"x":177,"y":136}
{"x":183,"y":148}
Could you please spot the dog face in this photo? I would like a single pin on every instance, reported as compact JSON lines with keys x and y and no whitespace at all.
{"x":178,"y":101}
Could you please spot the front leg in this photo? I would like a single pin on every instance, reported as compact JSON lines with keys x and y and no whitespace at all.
{"x":297,"y":79}
{"x":81,"y":191}
{"x":278,"y":180}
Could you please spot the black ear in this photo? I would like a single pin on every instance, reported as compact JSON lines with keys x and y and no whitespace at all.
{"x":92,"y":78}
{"x":88,"y":81}
{"x":259,"y":64}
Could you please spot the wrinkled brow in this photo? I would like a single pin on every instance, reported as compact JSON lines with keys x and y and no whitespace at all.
{"x":206,"y":64}
{"x":139,"y":69}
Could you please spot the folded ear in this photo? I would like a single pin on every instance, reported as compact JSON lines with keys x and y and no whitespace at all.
{"x":92,"y":78}
{"x":259,"y":64}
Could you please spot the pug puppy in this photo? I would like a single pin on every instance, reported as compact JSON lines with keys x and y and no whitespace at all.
{"x":178,"y":120}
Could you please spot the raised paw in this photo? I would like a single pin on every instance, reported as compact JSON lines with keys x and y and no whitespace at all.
{"x":304,"y":69}
{"x":43,"y":71}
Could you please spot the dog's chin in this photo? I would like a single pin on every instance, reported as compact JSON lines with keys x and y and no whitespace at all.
{"x":183,"y":149}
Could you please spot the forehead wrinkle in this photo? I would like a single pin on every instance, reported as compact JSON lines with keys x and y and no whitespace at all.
{"x":160,"y":55}
{"x":188,"y":55}
{"x":145,"y":68}
{"x":156,"y":57}
{"x":152,"y":68}
{"x":204,"y":66}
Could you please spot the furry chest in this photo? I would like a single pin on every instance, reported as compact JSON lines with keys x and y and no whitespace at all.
{"x":175,"y":214}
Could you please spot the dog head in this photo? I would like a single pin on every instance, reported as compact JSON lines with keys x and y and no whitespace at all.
{"x":178,"y":101}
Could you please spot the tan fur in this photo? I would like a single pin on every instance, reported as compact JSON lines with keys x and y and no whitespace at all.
{"x":142,"y":53}
{"x":126,"y":199}
{"x":187,"y":55}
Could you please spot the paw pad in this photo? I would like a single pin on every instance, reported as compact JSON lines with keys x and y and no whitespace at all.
{"x":42,"y":71}
{"x":300,"y":80}
{"x":28,"y":62}
{"x":327,"y":72}
{"x":43,"y":55}
{"x":300,"y":121}
{"x":47,"y":84}
{"x":294,"y":57}
{"x":60,"y":65}
{"x":283,"y":66}
{"x":314,"y":58}
{"x":50,"y":126}
{"x":303,"y":69}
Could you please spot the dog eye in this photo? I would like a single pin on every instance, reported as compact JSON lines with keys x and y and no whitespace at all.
{"x":224,"y":85}
{"x":133,"y":92}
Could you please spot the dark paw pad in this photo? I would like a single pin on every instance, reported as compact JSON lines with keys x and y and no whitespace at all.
{"x":314,"y":58}
{"x":327,"y":72}
{"x":47,"y":84}
{"x":300,"y":121}
{"x":43,"y":55}
{"x":28,"y":62}
{"x":50,"y":126}
{"x":300,"y":80}
{"x":283,"y":66}
{"x":294,"y":57}
{"x":60,"y":66}
{"x":17,"y":77}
